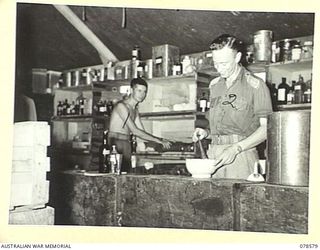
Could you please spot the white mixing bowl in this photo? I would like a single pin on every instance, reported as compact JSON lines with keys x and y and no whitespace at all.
{"x":200,"y":168}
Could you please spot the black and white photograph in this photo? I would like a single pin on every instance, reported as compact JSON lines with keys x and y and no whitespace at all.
{"x":162,"y":118}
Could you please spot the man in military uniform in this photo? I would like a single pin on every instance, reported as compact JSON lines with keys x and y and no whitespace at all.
{"x":239,"y":105}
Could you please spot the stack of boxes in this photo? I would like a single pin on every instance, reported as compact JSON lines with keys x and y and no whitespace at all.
{"x":29,"y":185}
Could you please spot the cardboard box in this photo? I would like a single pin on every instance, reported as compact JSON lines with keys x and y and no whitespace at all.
{"x":164,"y":57}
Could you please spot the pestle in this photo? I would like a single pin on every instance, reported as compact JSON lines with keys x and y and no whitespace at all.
{"x":202,"y":152}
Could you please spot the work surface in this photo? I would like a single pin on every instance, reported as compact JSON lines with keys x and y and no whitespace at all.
{"x":163,"y":201}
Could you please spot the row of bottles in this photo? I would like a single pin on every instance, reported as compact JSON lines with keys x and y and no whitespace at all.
{"x":80,"y":106}
{"x":140,"y":68}
{"x":103,"y":107}
{"x":110,"y":160}
{"x":203,"y":103}
{"x":299,"y":92}
{"x":291,"y":49}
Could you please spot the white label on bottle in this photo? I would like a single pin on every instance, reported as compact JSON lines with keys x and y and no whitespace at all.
{"x":290,"y":97}
{"x":133,"y":161}
{"x":135,"y":53}
{"x":209,"y":54}
{"x":105,"y":152}
{"x":203,"y":103}
{"x":297,"y":87}
{"x":208,"y":104}
{"x":158,"y":60}
{"x":281,"y":94}
{"x":113,"y":159}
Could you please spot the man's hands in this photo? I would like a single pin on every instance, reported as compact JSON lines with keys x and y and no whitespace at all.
{"x":199,"y":134}
{"x":228,"y":155}
{"x":165,"y":143}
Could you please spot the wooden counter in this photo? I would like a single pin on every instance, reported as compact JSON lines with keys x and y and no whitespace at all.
{"x":164,"y":201}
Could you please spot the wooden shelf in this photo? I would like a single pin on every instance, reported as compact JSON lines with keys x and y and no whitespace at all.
{"x":289,"y":107}
{"x":79,"y":117}
{"x":68,"y":150}
{"x":292,"y":66}
{"x":72,"y":118}
{"x":168,"y":114}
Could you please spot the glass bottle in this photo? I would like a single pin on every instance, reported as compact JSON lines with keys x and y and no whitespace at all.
{"x":65,"y":107}
{"x":274,"y":96}
{"x":135,"y":60}
{"x":203,"y":103}
{"x":136,"y":53}
{"x":59,"y":108}
{"x":104,"y":157}
{"x":133,"y":152}
{"x":283,"y":90}
{"x":113,"y":159}
{"x":307,"y":93}
{"x":298,"y":91}
{"x":72,"y":108}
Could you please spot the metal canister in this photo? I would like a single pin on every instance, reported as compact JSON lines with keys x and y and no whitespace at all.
{"x":69,"y":79}
{"x":275,"y":57}
{"x":262,"y":41}
{"x":76,"y":78}
{"x":288,"y":147}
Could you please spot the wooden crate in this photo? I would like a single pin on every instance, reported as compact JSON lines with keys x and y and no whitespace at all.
{"x":43,"y":216}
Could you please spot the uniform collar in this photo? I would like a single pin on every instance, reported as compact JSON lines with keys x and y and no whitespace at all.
{"x":230,"y":81}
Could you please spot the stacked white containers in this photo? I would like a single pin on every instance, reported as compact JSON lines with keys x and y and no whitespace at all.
{"x":29,"y":184}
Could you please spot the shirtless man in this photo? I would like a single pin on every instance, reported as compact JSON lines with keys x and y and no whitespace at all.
{"x":125,"y":119}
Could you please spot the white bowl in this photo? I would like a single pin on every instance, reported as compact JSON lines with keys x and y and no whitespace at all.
{"x":200,"y":168}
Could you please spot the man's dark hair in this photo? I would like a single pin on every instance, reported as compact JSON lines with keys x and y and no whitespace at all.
{"x":229,"y":41}
{"x":138,"y":81}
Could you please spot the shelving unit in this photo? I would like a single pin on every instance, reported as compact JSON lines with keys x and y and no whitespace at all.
{"x":72,"y":130}
{"x":169,"y":110}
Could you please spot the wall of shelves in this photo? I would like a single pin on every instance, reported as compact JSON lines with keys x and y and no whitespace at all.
{"x":169,"y":110}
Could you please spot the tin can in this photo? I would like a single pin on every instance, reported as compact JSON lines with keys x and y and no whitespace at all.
{"x":285,"y":50}
{"x":89,"y":76}
{"x":69,"y":79}
{"x":262,"y":41}
{"x":148,"y":68}
{"x":275,"y":57}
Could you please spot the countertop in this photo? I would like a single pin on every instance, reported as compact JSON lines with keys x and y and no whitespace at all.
{"x":172,"y":201}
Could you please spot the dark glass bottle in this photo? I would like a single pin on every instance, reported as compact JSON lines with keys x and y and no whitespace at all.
{"x":274,"y":95}
{"x":109,"y":107}
{"x":133,"y":142}
{"x":59,"y":108}
{"x":283,"y":90}
{"x":136,"y":53}
{"x":104,"y":154}
{"x":203,"y":103}
{"x":135,"y":60}
{"x":65,"y":107}
{"x":299,"y":88}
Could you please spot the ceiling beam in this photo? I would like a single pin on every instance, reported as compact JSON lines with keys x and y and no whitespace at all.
{"x":105,"y":54}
